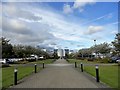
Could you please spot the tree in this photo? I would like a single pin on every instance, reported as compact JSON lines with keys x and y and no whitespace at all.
{"x":19,"y":51}
{"x":103,"y":48}
{"x":7,"y":48}
{"x":85,"y":52}
{"x":25,"y":51}
{"x":116,"y":44}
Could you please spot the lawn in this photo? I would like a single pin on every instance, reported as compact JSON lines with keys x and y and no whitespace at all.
{"x":47,"y":61}
{"x":79,"y":61}
{"x":8,"y":72}
{"x":108,"y":73}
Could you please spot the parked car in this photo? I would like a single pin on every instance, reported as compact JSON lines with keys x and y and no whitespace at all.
{"x":6,"y":61}
{"x":2,"y":61}
{"x":118,"y":60}
{"x":115,"y":59}
{"x":34,"y":56}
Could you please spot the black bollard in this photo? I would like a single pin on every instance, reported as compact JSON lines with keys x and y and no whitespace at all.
{"x":15,"y":76}
{"x":35,"y":68}
{"x":81,"y":67}
{"x":97,"y":73}
{"x":75,"y":65}
{"x":43,"y":65}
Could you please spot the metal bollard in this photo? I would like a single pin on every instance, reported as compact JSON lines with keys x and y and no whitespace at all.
{"x":75,"y":65}
{"x":97,"y":73}
{"x":81,"y":67}
{"x":35,"y":68}
{"x":15,"y":76}
{"x":43,"y":65}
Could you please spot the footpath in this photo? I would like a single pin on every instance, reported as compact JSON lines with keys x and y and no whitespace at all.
{"x":60,"y":74}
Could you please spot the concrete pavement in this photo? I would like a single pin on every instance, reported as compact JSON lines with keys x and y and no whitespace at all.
{"x":58,"y":75}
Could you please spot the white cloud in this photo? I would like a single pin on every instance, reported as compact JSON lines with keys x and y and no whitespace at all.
{"x":78,"y":4}
{"x":49,"y":29}
{"x":82,"y":3}
{"x":20,"y":31}
{"x":114,"y":23}
{"x":15,"y":26}
{"x":109,"y":15}
{"x":67,"y":9}
{"x":114,"y":32}
{"x":15,"y":10}
{"x":94,"y":29}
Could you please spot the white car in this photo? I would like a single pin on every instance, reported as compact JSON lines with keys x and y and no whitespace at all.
{"x":3,"y":61}
{"x":118,"y":60}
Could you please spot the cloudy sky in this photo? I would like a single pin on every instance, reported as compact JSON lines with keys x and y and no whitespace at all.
{"x":71,"y":25}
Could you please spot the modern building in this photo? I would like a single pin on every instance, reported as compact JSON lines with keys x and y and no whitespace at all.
{"x":61,"y":53}
{"x":71,"y":51}
{"x":55,"y":50}
{"x":66,"y":51}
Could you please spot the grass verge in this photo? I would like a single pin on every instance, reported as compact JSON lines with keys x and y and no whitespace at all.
{"x":47,"y":61}
{"x":23,"y":71}
{"x":108,"y":73}
{"x":8,"y":74}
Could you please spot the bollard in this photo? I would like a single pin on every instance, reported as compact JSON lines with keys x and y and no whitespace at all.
{"x":81,"y":67}
{"x":97,"y":73}
{"x":75,"y":65}
{"x":15,"y":76}
{"x":43,"y":65}
{"x":35,"y":68}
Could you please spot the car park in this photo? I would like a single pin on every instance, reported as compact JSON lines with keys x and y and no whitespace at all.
{"x":115,"y":59}
{"x":118,"y":60}
{"x":2,"y":61}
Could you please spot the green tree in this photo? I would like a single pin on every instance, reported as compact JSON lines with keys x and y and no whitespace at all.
{"x":116,"y":44}
{"x":25,"y":51}
{"x":103,"y":48}
{"x":19,"y":51}
{"x":7,"y":48}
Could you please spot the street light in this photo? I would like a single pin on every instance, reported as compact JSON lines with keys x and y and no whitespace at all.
{"x":95,"y":47}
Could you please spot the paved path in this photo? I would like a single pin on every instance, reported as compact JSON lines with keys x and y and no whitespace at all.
{"x":57,"y":75}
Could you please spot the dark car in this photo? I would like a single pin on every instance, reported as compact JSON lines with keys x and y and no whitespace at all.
{"x":9,"y":61}
{"x":115,"y":58}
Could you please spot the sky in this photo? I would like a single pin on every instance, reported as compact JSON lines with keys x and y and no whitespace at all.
{"x":72,"y":25}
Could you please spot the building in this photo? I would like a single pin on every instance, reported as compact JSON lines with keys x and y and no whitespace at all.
{"x":66,"y":51}
{"x":61,"y":53}
{"x":55,"y":50}
{"x":71,"y":51}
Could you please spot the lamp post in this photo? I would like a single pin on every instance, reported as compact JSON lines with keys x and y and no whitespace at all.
{"x":97,"y":73}
{"x":95,"y":47}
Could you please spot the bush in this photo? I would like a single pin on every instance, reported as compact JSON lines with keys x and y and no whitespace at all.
{"x":21,"y":62}
{"x":90,"y":59}
{"x":5,"y":65}
{"x":105,"y":60}
{"x":118,"y":63}
{"x":31,"y":60}
{"x":53,"y":60}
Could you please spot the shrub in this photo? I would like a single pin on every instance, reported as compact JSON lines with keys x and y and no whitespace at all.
{"x":5,"y":65}
{"x":105,"y":60}
{"x":31,"y":60}
{"x":90,"y":59}
{"x":21,"y":62}
{"x":118,"y":63}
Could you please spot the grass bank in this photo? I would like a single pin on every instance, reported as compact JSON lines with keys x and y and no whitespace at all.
{"x":47,"y":61}
{"x":108,"y":73}
{"x":23,"y":71}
